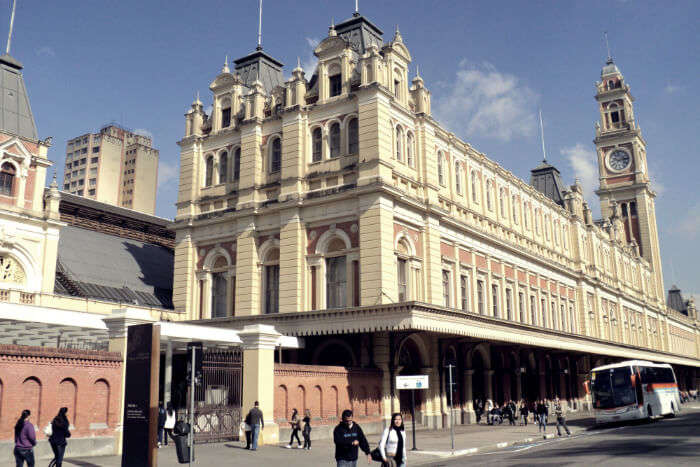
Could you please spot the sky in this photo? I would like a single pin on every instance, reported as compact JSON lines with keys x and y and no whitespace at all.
{"x":490,"y":65}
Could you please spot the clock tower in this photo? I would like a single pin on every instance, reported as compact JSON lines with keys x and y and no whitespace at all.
{"x":624,"y":189}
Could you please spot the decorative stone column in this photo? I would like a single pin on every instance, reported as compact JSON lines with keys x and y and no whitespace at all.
{"x":381,"y":359}
{"x":468,"y":415}
{"x":488,"y":383}
{"x":259,"y":343}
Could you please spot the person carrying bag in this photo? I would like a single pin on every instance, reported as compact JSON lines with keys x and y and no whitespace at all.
{"x":392,"y":446}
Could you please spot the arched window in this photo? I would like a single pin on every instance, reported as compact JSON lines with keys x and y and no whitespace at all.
{"x":441,"y":168}
{"x":409,"y":149}
{"x":7,"y":178}
{"x":316,"y":145}
{"x":219,"y":287}
{"x":399,"y":144}
{"x":276,"y":155}
{"x":474,"y":188}
{"x":209,"y":175}
{"x":514,"y":201}
{"x":237,"y":165}
{"x":458,"y":178}
{"x":335,"y":139}
{"x":336,"y":274}
{"x":223,"y":167}
{"x":353,"y":137}
{"x":526,"y":215}
{"x":488,"y":195}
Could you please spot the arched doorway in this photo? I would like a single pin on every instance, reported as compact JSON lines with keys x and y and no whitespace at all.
{"x":410,"y":363}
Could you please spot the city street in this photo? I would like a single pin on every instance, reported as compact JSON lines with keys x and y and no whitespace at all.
{"x":665,"y":442}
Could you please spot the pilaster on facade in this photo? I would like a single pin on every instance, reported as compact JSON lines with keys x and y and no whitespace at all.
{"x":377,"y":260}
{"x":247,"y":271}
{"x":292,"y":287}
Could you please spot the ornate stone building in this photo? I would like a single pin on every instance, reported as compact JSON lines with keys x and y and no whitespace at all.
{"x":335,"y":207}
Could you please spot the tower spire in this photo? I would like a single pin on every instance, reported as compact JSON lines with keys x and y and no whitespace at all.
{"x":12,"y":23}
{"x":357,"y":7}
{"x":607,"y":46}
{"x":259,"y":47}
{"x":544,"y":151}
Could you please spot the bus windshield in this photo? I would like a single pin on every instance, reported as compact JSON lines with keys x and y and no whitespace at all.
{"x":612,"y":388}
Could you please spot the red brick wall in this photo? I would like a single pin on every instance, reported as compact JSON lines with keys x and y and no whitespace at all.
{"x":44,"y":380}
{"x":326,"y":391}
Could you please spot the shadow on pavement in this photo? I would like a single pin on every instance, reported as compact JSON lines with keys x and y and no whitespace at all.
{"x":80,"y":463}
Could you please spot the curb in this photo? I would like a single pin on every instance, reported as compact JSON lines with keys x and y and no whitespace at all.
{"x":488,"y":447}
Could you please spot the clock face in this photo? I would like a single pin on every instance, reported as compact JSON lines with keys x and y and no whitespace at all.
{"x":619,"y":160}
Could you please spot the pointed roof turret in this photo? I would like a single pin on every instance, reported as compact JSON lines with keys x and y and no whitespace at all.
{"x":15,"y":112}
{"x":360,"y":32}
{"x":546,"y":179}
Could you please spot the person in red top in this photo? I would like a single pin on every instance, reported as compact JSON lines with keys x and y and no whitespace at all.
{"x":25,"y":440}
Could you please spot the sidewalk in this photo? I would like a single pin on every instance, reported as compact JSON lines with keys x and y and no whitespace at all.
{"x":432,"y":444}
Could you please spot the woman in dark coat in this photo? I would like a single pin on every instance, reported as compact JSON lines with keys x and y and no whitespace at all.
{"x":59,"y":432}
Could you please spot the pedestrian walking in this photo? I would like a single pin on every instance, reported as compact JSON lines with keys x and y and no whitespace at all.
{"x":256,"y":424}
{"x":523,"y":413}
{"x":25,"y":440}
{"x":392,"y":445}
{"x":561,"y":418}
{"x":59,"y":433}
{"x":170,"y":419}
{"x":541,"y":416}
{"x":510,"y":413}
{"x":294,"y":423}
{"x":306,"y":432}
{"x":161,"y":423}
{"x":348,"y":437}
{"x":248,"y":430}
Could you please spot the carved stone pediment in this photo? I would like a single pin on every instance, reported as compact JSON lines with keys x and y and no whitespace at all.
{"x":400,"y":49}
{"x":223,"y":81}
{"x":332,"y":45}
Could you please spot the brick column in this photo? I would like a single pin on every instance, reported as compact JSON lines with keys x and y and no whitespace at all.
{"x":259,"y":342}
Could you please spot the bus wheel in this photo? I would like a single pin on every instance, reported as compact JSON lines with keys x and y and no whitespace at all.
{"x":650,"y":415}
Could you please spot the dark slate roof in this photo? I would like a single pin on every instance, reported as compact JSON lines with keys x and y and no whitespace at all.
{"x":15,"y":112}
{"x":547,"y":180}
{"x":75,"y":200}
{"x":610,"y":68}
{"x":270,"y":70}
{"x":675,"y":300}
{"x":96,"y":265}
{"x":360,"y":32}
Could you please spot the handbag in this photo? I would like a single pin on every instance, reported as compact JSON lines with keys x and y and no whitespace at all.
{"x":376,"y":455}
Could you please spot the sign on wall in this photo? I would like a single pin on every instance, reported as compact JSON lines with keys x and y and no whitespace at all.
{"x":412,"y":382}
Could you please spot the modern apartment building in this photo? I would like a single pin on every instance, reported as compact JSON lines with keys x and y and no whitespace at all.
{"x":115,"y":166}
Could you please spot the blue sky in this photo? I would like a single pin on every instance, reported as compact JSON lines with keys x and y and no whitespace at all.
{"x":490,"y":65}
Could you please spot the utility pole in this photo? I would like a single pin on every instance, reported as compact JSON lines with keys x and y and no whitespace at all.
{"x":452,"y":412}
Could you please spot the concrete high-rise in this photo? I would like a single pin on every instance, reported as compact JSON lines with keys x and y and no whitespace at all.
{"x":115,"y":166}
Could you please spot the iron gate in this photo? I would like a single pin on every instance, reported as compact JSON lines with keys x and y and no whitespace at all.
{"x":217,"y":413}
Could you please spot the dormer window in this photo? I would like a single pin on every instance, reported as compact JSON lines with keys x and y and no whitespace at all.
{"x":335,"y":140}
{"x":7,"y":178}
{"x":336,"y":85}
{"x":226,"y":117}
{"x":397,"y":88}
{"x":316,"y":145}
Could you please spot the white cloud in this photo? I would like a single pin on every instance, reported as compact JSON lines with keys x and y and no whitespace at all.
{"x":167,"y":172}
{"x":672,"y":88}
{"x":690,"y":224}
{"x":46,"y":51}
{"x":308,"y":61}
{"x":483,"y":101}
{"x":584,"y":164}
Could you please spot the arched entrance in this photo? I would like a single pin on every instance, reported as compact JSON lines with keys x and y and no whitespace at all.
{"x":410,"y":363}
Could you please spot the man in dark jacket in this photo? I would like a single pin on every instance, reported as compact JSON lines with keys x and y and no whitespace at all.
{"x":348,"y":436}
{"x":256,"y":424}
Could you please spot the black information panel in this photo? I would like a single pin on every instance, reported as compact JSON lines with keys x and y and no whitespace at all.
{"x":137,"y":395}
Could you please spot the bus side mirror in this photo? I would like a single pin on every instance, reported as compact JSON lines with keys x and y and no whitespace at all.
{"x":587,"y":386}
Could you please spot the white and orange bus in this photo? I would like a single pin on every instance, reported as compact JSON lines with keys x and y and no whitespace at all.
{"x":633,"y":390}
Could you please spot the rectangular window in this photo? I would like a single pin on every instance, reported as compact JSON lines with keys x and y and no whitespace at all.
{"x":446,"y":288}
{"x":93,"y":171}
{"x":91,"y":192}
{"x":80,"y":192}
{"x":68,"y":165}
{"x":509,"y":304}
{"x":93,"y":181}
{"x":66,"y":186}
{"x":563,"y":317}
{"x":94,"y":160}
{"x":336,"y":282}
{"x":83,"y":151}
{"x":397,"y":88}
{"x":533,"y":311}
{"x":95,"y":149}
{"x":336,"y":85}
{"x":401,"y":274}
{"x":521,"y":306}
{"x":464,"y":292}
{"x":81,"y":182}
{"x":272,"y":288}
{"x":480,"y":296}
{"x":226,"y":117}
{"x":494,"y":297}
{"x":543,"y":304}
{"x":572,"y":318}
{"x":83,"y":161}
{"x":555,"y":321}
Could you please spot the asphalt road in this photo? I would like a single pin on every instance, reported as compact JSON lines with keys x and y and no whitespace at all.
{"x":668,"y":442}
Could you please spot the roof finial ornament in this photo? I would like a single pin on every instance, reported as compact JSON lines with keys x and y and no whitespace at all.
{"x":331,"y":30}
{"x":196,"y":100}
{"x":12,"y":23}
{"x":607,"y":46}
{"x":397,"y":34}
{"x":357,"y":8}
{"x":225,"y":69}
{"x":259,"y":47}
{"x":298,"y":61}
{"x":544,"y":152}
{"x":417,"y":71}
